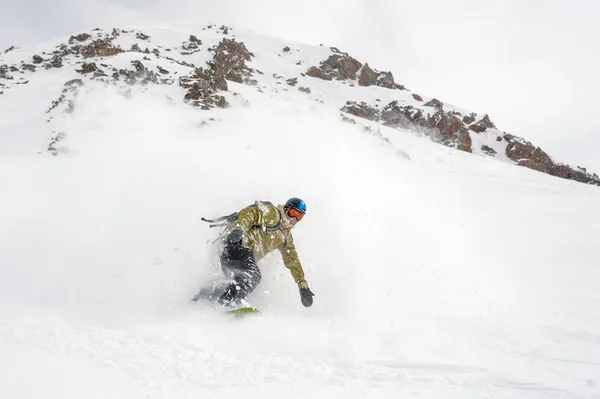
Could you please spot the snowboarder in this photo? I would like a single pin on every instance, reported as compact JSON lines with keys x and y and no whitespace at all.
{"x":251,"y":234}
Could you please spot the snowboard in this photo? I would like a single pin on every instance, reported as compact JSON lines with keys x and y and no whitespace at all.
{"x":243,"y":312}
{"x":212,"y":292}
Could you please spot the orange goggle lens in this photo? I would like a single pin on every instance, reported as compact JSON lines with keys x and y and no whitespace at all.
{"x":294,"y":213}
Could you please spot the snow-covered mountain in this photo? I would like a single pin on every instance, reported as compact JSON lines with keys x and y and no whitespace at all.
{"x":201,"y":60}
{"x":437,"y":273}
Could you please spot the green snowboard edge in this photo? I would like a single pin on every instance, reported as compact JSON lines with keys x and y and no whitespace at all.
{"x":241,"y":312}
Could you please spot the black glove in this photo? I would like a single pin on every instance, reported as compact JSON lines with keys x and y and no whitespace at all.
{"x":306,"y":297}
{"x":235,"y":237}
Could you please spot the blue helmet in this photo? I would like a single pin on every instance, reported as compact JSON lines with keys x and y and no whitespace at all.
{"x":295,"y":203}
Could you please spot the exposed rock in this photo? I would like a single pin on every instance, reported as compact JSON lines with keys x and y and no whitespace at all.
{"x":100,"y":48}
{"x":11,"y":48}
{"x":136,"y":48}
{"x":468,"y":119}
{"x":526,"y":154}
{"x":442,"y":127}
{"x":348,"y":67}
{"x":292,"y":81}
{"x":56,"y":138}
{"x":203,"y":86}
{"x":37,"y":59}
{"x":417,"y":97}
{"x":191,"y":47}
{"x":482,"y":125}
{"x":368,"y":77}
{"x":194,"y":39}
{"x":386,"y":79}
{"x":142,"y":36}
{"x":361,"y":109}
{"x":339,"y":66}
{"x":82,"y":37}
{"x":230,"y":58}
{"x":28,"y":67}
{"x":224,"y":29}
{"x":488,"y":150}
{"x":317,"y":73}
{"x":162,"y":70}
{"x":4,"y":72}
{"x":87,"y":68}
{"x":56,"y":62}
{"x":286,"y":49}
{"x":435,"y":103}
{"x":304,"y":90}
{"x":71,"y":89}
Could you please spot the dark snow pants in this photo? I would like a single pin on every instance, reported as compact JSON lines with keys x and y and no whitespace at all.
{"x":238,"y":263}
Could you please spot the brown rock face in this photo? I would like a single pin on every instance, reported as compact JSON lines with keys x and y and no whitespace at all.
{"x":386,"y":79}
{"x":228,"y":63}
{"x":203,"y":86}
{"x":317,"y":73}
{"x":368,"y":77}
{"x":482,"y":125}
{"x":340,"y":66}
{"x":526,"y":154}
{"x":442,"y":126}
{"x":348,"y":67}
{"x":417,"y":97}
{"x":230,"y":57}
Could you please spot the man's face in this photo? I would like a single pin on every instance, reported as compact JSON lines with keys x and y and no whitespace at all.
{"x":294,"y":215}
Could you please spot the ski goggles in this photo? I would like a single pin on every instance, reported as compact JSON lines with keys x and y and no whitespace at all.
{"x":295,"y":213}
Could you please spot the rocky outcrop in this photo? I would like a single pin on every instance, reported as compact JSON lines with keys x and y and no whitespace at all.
{"x":230,"y":58}
{"x":68,"y":95}
{"x":100,"y":48}
{"x":203,"y":86}
{"x":362,"y":110}
{"x":341,"y":66}
{"x":82,"y":37}
{"x":139,"y":75}
{"x":526,"y":154}
{"x":371,"y":77}
{"x":440,"y":125}
{"x":191,"y":46}
{"x":482,"y":125}
{"x":228,"y":63}
{"x":488,"y":150}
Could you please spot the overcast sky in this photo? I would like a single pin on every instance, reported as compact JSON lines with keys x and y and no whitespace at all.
{"x":531,"y":65}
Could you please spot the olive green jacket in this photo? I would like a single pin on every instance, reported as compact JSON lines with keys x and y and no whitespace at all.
{"x":266,"y":229}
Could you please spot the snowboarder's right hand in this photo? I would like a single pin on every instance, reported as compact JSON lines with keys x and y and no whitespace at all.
{"x":306,"y":297}
{"x":235,"y":237}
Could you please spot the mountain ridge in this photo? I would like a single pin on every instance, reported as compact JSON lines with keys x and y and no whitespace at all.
{"x":203,"y":59}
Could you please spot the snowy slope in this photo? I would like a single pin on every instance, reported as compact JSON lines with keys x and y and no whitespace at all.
{"x":437,"y":273}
